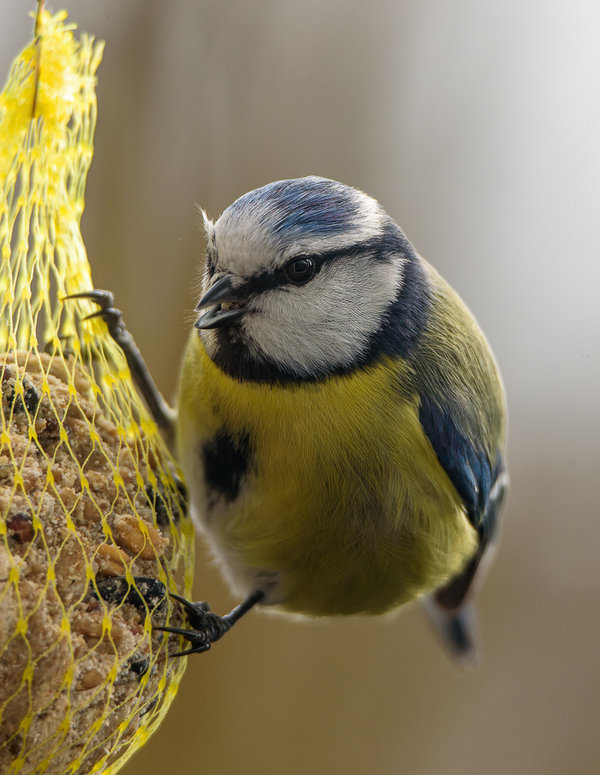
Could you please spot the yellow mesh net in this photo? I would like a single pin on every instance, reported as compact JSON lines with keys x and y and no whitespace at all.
{"x":93,"y":529}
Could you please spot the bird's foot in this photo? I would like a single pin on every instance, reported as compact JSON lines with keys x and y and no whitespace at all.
{"x":112,"y":316}
{"x":207,"y":627}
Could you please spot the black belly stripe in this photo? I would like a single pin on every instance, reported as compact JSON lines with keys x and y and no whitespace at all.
{"x":226,"y":460}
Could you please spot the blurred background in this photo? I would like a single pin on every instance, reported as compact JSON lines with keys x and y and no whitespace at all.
{"x":477,"y":126}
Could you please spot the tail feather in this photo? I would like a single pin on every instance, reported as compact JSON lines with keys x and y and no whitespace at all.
{"x":456,"y":628}
{"x":451,"y":610}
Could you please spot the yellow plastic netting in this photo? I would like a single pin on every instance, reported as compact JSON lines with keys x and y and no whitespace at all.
{"x":93,"y":528}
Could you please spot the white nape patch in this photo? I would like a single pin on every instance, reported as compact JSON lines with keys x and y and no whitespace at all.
{"x":325,"y":324}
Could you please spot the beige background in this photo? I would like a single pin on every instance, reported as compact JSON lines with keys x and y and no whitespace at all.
{"x":477,"y":126}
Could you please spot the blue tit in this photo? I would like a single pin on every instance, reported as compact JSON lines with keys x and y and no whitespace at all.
{"x":341,"y":419}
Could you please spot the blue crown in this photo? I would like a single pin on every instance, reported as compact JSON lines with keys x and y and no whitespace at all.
{"x":310,"y":206}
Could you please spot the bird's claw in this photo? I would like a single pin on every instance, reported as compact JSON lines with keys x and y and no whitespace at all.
{"x":206,"y":627}
{"x":195,"y":611}
{"x":198,"y":640}
{"x":112,"y":316}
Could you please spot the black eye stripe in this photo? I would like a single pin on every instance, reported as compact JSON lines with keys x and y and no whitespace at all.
{"x":278,"y":278}
{"x":378,"y":249}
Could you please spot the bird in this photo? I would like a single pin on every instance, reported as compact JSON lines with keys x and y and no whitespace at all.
{"x":340,"y":417}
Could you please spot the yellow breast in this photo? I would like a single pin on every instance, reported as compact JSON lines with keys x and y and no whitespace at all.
{"x":333,"y":500}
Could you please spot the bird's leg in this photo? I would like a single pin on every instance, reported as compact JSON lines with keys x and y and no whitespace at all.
{"x":162,"y":413}
{"x":207,"y":627}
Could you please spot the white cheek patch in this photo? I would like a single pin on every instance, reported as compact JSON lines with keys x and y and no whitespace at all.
{"x":327,"y":323}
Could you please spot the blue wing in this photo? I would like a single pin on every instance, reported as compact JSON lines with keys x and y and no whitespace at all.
{"x":469,"y":467}
{"x":480,"y":481}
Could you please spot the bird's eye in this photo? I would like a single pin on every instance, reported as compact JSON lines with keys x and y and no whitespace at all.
{"x":300,"y":270}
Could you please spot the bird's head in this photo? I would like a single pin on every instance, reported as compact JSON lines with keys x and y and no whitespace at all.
{"x":304,"y":279}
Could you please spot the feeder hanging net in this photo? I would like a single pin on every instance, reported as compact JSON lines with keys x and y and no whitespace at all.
{"x":93,"y":528}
